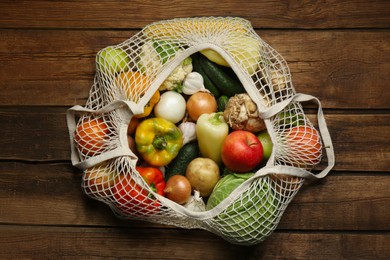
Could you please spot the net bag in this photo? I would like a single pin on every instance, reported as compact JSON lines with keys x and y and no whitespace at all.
{"x":131,"y":77}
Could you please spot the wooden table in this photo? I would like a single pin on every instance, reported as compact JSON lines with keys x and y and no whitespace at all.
{"x":338,"y":51}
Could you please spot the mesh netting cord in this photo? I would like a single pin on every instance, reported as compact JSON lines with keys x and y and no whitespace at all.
{"x":326,"y":139}
{"x":324,"y":132}
{"x":129,"y":108}
{"x":122,"y":91}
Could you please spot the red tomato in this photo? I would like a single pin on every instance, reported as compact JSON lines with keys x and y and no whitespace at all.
{"x":304,"y":146}
{"x":133,"y":199}
{"x":91,"y":136}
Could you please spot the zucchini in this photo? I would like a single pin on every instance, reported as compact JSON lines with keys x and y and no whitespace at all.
{"x":221,"y":103}
{"x":206,"y":80}
{"x":228,"y":84}
{"x":178,"y":165}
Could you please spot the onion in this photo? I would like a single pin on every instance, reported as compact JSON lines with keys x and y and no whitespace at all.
{"x":178,"y":189}
{"x":172,"y":107}
{"x":201,"y":103}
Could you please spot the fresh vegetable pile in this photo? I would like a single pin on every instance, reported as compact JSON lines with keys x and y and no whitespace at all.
{"x":182,"y":130}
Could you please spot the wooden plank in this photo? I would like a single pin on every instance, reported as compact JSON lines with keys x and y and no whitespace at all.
{"x":50,"y":194}
{"x":336,"y":203}
{"x":48,"y":67}
{"x":337,"y":51}
{"x":34,"y":134}
{"x":19,"y":242}
{"x":353,"y":135}
{"x":342,"y":68}
{"x":41,"y":134}
{"x":324,"y":246}
{"x":263,"y":14}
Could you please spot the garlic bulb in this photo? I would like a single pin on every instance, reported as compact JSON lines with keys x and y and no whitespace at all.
{"x":188,"y":130}
{"x":193,"y":83}
{"x":195,"y":203}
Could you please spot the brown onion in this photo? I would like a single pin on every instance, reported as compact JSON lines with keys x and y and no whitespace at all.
{"x":178,"y":189}
{"x":201,"y":103}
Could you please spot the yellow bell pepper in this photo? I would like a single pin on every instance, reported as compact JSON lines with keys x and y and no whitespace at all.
{"x":149,"y":106}
{"x":158,"y":141}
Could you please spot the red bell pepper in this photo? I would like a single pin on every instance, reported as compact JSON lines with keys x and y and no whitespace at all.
{"x":133,"y":199}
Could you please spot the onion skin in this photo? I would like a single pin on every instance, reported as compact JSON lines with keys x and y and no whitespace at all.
{"x":178,"y":189}
{"x":201,"y":103}
{"x":172,"y":107}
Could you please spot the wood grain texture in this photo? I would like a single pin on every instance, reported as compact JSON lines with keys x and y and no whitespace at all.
{"x":44,"y":131}
{"x":337,"y":51}
{"x":136,"y":14}
{"x":51,"y":194}
{"x":345,"y":69}
{"x":113,"y":243}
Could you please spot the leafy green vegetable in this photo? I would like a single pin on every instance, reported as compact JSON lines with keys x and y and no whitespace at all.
{"x":226,"y":186}
{"x":253,"y":215}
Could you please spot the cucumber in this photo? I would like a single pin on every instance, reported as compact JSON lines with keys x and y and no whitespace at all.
{"x":221,"y":103}
{"x":228,"y":84}
{"x":206,"y":80}
{"x":178,"y":165}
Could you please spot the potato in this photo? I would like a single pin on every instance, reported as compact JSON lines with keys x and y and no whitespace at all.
{"x":203,"y":174}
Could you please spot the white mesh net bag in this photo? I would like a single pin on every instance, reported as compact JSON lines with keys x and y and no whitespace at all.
{"x":131,"y":77}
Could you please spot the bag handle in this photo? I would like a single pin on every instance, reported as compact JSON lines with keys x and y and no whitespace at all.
{"x":127,"y":109}
{"x":281,"y":169}
{"x":269,"y":169}
{"x":324,"y":132}
{"x":298,"y":97}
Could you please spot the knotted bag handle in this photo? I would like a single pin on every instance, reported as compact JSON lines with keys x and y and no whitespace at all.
{"x":325,"y":137}
{"x":127,"y":110}
{"x":267,"y":113}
